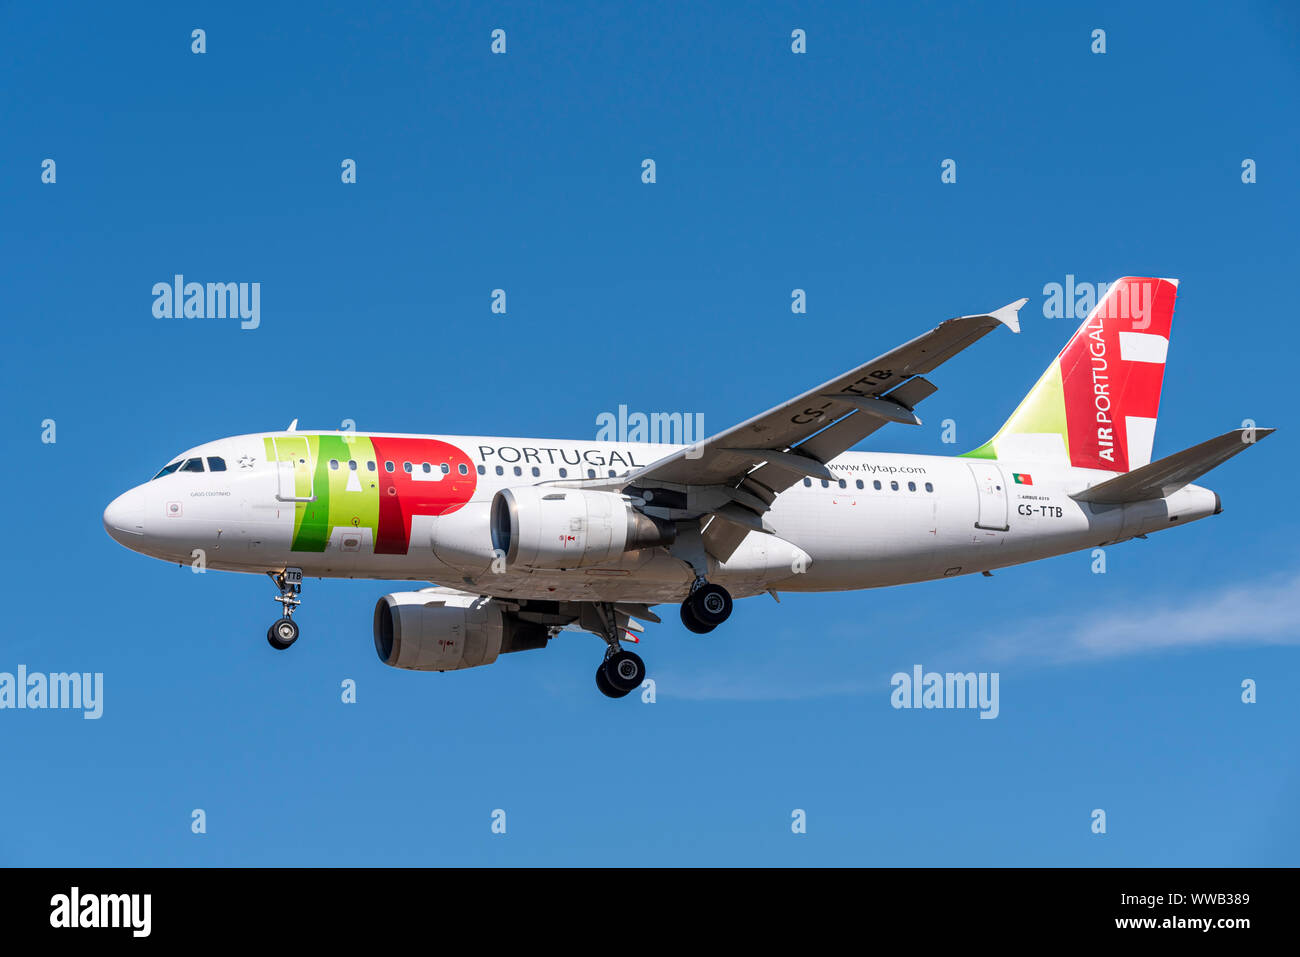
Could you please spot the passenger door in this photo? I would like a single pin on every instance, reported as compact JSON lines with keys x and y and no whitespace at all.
{"x":296,"y":476}
{"x":992,"y":490}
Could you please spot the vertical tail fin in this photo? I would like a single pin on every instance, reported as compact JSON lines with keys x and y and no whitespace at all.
{"x":1096,"y":405}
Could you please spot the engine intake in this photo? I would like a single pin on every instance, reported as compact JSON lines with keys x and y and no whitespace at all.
{"x":437,"y":631}
{"x":547,"y":527}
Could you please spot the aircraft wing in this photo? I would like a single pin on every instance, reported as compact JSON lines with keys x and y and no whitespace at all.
{"x":736,"y":474}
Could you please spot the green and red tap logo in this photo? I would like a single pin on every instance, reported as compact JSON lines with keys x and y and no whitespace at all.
{"x":344,"y":480}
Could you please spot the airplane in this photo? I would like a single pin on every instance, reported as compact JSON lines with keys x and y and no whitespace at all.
{"x":521,"y":539}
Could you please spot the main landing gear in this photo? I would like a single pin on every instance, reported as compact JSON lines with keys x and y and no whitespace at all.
{"x":284,"y":632}
{"x":706,"y":607}
{"x":622,"y":671}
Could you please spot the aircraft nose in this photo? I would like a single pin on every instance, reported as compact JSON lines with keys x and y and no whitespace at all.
{"x":124,"y":517}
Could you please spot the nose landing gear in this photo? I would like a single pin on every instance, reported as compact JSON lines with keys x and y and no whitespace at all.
{"x":284,"y":632}
{"x":706,"y":607}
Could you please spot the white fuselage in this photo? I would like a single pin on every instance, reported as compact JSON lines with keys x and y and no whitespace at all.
{"x":890,"y":518}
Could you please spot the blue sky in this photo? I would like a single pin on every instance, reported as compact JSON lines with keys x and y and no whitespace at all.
{"x":775,"y":171}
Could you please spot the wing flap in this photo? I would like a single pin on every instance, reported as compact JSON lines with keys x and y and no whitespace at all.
{"x":721,"y":539}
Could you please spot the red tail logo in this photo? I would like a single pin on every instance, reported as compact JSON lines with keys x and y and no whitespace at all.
{"x":1111,"y":374}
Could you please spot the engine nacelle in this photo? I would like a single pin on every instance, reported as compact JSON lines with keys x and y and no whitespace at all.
{"x":547,"y":527}
{"x":437,"y":631}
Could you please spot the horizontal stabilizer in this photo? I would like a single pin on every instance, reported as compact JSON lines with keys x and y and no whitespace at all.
{"x":1166,"y":476}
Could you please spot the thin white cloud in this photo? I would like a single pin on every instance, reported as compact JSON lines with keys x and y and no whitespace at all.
{"x":1264,"y":612}
{"x":1251,"y":613}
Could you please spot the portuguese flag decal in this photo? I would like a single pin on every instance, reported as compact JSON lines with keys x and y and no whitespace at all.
{"x":1022,"y":478}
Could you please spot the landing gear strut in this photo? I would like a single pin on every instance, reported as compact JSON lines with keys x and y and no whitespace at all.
{"x":284,"y":632}
{"x":622,"y":671}
{"x":706,"y":607}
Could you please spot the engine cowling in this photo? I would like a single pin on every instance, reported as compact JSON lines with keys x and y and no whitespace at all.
{"x":439,"y":631}
{"x":547,"y":527}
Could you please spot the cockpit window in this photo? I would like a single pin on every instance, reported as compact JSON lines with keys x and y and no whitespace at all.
{"x":191,"y":465}
{"x":168,"y":469}
{"x":216,"y":463}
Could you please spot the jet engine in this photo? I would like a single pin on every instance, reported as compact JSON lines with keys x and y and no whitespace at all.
{"x":438,"y":630}
{"x":547,"y":527}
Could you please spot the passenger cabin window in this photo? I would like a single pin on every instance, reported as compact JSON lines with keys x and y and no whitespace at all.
{"x":352,"y":465}
{"x":564,"y":473}
{"x":536,"y":471}
{"x":388,"y":466}
{"x":591,"y":473}
{"x":876,"y":485}
{"x":426,"y":468}
{"x":843,"y":484}
{"x":807,"y":483}
{"x":406,"y":467}
{"x":929,"y":487}
{"x":500,"y":470}
{"x":859,"y":483}
{"x":482,"y":470}
{"x":334,"y":464}
{"x":216,"y":463}
{"x":167,"y":469}
{"x":370,"y":466}
{"x":518,"y":470}
{"x":894,"y":486}
{"x":825,"y":484}
{"x":445,"y":468}
{"x":463,"y":469}
{"x":192,"y":465}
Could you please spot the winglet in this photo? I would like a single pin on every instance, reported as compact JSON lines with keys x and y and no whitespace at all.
{"x":1009,"y":315}
{"x":293,"y":426}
